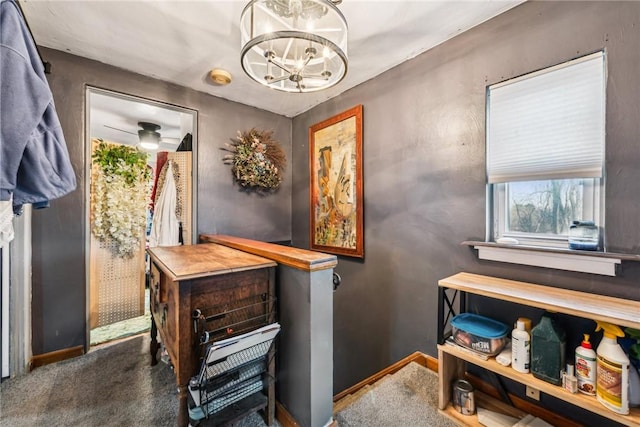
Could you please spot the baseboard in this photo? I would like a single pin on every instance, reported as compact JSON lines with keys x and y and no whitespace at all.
{"x":55,"y":356}
{"x":418,"y":357}
{"x":284,"y":417}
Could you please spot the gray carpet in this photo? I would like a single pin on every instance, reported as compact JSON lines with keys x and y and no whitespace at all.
{"x":114,"y":385}
{"x":408,"y":398}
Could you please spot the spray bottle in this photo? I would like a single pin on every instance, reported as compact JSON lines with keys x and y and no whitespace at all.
{"x":612,"y":370}
{"x":634,"y":370}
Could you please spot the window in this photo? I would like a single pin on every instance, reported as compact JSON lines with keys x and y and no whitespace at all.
{"x":545,"y":151}
{"x":540,"y":212}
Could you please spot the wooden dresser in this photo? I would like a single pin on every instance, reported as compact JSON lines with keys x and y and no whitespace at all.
{"x":186,"y":278}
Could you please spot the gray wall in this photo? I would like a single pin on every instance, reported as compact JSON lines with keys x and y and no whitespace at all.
{"x":424,"y":176}
{"x":59,"y":288}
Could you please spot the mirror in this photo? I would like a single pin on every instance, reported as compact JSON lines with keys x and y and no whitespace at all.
{"x":136,"y":131}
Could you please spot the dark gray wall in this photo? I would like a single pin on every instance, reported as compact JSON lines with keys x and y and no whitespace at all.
{"x":424,"y":176}
{"x":59,"y":288}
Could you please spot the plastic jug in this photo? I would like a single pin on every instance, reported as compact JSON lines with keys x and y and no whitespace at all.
{"x":612,"y":389}
{"x":548,"y":343}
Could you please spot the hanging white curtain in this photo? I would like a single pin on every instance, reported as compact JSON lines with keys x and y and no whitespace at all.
{"x":165,"y":226}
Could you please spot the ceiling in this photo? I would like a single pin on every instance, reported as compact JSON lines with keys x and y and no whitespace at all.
{"x":181,"y":41}
{"x":114,"y":117}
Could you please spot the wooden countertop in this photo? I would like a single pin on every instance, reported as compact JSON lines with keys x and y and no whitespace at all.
{"x":192,"y":261}
{"x":300,"y":259}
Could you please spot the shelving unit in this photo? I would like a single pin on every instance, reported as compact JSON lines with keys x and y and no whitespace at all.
{"x":597,"y":307}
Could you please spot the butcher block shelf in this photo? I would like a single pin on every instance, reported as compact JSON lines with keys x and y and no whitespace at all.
{"x":618,"y":311}
{"x":192,"y":261}
{"x":582,"y":400}
{"x":300,"y":259}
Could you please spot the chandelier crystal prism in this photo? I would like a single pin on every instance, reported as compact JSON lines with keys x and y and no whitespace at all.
{"x":294,"y":45}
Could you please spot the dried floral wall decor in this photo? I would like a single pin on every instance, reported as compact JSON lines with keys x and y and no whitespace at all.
{"x":257,"y":160}
{"x":120,"y":195}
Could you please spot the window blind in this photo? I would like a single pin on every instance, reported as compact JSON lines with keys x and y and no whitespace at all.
{"x":548,"y":124}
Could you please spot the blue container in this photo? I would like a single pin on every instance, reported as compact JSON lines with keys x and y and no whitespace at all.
{"x":479,"y":333}
{"x":583,"y":235}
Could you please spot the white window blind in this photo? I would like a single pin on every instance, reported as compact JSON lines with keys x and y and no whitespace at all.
{"x":548,"y":124}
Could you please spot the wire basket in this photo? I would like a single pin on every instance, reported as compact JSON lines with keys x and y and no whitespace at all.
{"x":235,"y":317}
{"x":232,"y":369}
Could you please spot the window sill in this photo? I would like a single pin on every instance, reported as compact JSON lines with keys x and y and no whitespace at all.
{"x":594,"y":262}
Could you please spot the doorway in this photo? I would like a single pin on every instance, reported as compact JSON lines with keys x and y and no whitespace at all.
{"x":154,"y":135}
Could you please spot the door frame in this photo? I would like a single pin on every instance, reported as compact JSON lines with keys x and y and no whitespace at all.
{"x":88,"y":164}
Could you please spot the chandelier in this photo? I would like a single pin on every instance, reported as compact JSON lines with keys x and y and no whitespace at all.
{"x":294,"y":45}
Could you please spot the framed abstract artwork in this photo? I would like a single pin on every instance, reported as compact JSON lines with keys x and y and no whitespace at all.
{"x":335,"y":196}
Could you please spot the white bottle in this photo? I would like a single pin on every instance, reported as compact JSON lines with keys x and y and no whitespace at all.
{"x":520,"y":348}
{"x":612,"y":376}
{"x":569,"y":381}
{"x":586,"y":367}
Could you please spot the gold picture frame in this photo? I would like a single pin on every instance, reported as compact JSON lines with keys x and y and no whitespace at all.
{"x":335,"y":179}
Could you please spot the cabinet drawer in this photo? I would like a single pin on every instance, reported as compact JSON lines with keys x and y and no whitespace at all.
{"x":158,"y":292}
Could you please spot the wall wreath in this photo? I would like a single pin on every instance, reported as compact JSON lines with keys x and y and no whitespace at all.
{"x":257,"y":160}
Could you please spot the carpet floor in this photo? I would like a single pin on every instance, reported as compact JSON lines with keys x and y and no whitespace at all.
{"x":408,"y":398}
{"x":114,"y":385}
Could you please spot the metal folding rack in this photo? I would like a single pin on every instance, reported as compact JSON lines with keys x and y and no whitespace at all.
{"x":237,"y":360}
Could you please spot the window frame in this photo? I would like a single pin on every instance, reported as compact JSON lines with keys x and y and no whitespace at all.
{"x":592,"y":200}
{"x":593,"y":188}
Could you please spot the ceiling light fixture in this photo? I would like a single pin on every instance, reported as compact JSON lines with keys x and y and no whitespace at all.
{"x":294,"y":45}
{"x":149,"y":136}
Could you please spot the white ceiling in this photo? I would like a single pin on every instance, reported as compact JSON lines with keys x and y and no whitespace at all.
{"x":114,"y":117}
{"x":181,"y":41}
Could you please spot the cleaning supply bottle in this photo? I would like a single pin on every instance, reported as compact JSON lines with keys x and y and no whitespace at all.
{"x":612,"y":370}
{"x":527,"y":324}
{"x":586,"y":367}
{"x":634,"y":370}
{"x":548,"y":343}
{"x":569,"y":381}
{"x":520,"y":348}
